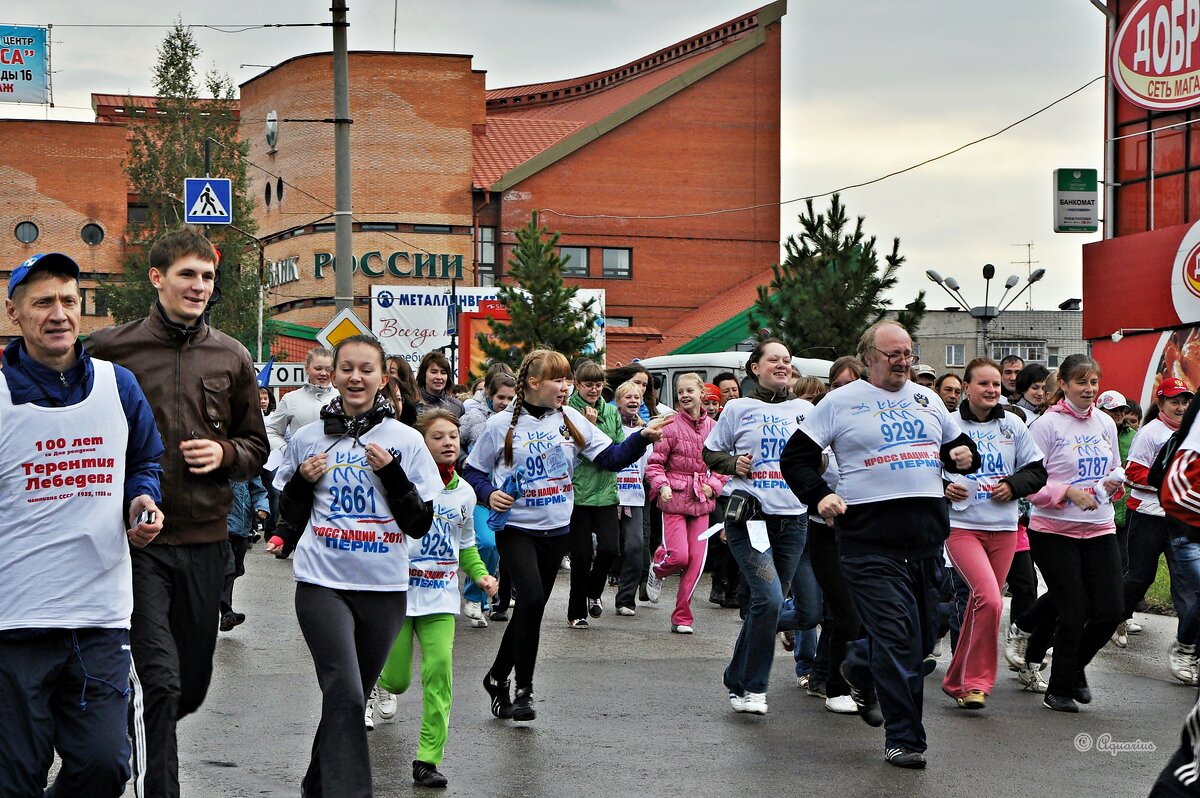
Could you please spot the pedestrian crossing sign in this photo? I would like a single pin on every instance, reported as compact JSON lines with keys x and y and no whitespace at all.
{"x":207,"y":200}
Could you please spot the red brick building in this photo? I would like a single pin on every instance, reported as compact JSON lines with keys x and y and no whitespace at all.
{"x":631,"y":165}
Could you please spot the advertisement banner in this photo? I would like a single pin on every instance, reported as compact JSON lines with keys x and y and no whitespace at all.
{"x":1155,"y":58}
{"x":24,"y":65}
{"x":1138,"y":363}
{"x":412,"y":322}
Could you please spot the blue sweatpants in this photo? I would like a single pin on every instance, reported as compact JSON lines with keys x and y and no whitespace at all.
{"x":64,"y":690}
{"x":485,"y":541}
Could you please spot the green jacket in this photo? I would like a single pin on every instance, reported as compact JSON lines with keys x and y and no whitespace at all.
{"x":1124,"y":439}
{"x":595,"y":487}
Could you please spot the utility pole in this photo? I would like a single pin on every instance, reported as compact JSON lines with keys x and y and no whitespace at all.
{"x":1029,"y":261}
{"x":343,"y":246}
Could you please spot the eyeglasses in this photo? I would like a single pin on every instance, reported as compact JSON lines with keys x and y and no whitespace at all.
{"x":898,"y":358}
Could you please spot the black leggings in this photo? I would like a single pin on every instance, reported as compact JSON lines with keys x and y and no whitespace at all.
{"x":532,"y":562}
{"x":588,"y":573}
{"x":846,"y":627}
{"x":1022,"y":584}
{"x":1083,"y":601}
{"x":349,"y":633}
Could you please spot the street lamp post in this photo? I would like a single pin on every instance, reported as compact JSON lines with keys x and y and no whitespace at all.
{"x":985,"y":313}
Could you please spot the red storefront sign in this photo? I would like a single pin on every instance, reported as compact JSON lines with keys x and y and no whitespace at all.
{"x":1155,"y":57}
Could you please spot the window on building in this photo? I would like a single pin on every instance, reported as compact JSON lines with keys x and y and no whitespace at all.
{"x":380,"y":226}
{"x":1029,"y":351}
{"x":485,"y":255}
{"x":137,"y":213}
{"x":956,"y":355}
{"x":279,"y":189}
{"x":325,"y":227}
{"x":574,"y":261}
{"x":92,"y":234}
{"x":1052,"y":356}
{"x":267,"y":194}
{"x":618,"y":263}
{"x":91,"y":303}
{"x":431,"y":228}
{"x":26,"y":232}
{"x":618,"y":321}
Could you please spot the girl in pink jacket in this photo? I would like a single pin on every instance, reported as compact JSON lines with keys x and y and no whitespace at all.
{"x":686,"y":492}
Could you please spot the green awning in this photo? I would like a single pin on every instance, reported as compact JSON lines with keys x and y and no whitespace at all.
{"x":722,"y":338}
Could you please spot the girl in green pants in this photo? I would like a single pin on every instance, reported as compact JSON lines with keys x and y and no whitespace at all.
{"x":433,"y":597}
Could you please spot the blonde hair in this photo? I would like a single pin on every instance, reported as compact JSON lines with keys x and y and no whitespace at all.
{"x":629,"y":386}
{"x":538,"y":364}
{"x":809,"y":388}
{"x":691,"y":376}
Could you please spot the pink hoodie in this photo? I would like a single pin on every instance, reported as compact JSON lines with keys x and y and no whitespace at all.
{"x":678,"y":461}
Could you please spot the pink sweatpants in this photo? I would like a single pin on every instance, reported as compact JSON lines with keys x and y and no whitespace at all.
{"x":982,"y":559}
{"x":682,"y":551}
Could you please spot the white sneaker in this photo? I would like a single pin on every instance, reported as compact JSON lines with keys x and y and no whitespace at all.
{"x":754,"y":703}
{"x":1121,"y":636}
{"x":1133,"y":628}
{"x":565,"y":565}
{"x":369,"y":717}
{"x":653,"y":586}
{"x":626,"y":611}
{"x":681,"y":629}
{"x":842,"y":705}
{"x":1181,"y":661}
{"x":385,"y":704}
{"x":1032,"y":680}
{"x":1015,"y":643}
{"x":474,"y":612}
{"x":737,"y":702}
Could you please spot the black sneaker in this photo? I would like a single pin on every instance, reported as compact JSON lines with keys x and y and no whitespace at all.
{"x":232,"y":619}
{"x":427,"y":775}
{"x":596,"y":607}
{"x":522,"y":708}
{"x":643,"y":596}
{"x":1060,"y":703}
{"x":1082,"y":694}
{"x":903,"y":758}
{"x":716,"y":596}
{"x":502,"y":705}
{"x":498,"y":615}
{"x":868,"y":707}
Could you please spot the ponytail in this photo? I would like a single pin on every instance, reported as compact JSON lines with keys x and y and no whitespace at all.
{"x":538,"y":363}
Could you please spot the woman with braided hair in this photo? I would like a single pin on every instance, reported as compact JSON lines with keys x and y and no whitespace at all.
{"x":536,"y":446}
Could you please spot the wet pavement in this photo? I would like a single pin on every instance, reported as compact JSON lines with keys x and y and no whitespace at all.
{"x":626,"y":708}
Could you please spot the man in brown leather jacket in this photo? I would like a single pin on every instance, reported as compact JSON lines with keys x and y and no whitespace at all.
{"x":201,"y":385}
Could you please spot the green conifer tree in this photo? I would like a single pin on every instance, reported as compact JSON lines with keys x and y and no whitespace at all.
{"x":542,"y":309}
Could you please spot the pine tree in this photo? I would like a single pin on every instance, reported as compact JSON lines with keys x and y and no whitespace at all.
{"x":163,"y":150}
{"x":542,"y":309}
{"x":830,"y":287}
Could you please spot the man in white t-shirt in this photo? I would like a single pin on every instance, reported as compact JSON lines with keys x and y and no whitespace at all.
{"x":891,"y":438}
{"x":79,"y":455}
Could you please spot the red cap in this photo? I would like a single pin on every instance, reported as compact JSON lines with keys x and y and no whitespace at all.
{"x":711,"y":392}
{"x":1172,"y":387}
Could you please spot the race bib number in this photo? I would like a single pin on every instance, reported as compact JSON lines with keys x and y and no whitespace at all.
{"x":555,"y":463}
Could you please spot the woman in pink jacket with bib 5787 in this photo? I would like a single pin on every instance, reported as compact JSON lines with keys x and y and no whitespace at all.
{"x":686,"y":492}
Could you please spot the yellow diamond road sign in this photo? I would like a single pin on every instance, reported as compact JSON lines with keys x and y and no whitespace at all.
{"x":340,"y":327}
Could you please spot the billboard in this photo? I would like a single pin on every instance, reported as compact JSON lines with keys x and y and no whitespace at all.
{"x":411,"y":322}
{"x":24,"y":65}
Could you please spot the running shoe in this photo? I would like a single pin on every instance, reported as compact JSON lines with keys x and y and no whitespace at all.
{"x":842,"y":705}
{"x":868,"y":706}
{"x":502,"y":706}
{"x":522,"y":708}
{"x":596,"y":607}
{"x":1133,"y":628}
{"x":628,"y":612}
{"x":578,"y":623}
{"x":754,"y":704}
{"x":1032,"y":680}
{"x":1181,"y":661}
{"x":232,"y":619}
{"x":369,"y":715}
{"x":565,"y":564}
{"x":1120,"y":637}
{"x":473,"y":612}
{"x":1015,"y":643}
{"x":1060,"y":703}
{"x":681,"y":629}
{"x":787,"y":638}
{"x":802,"y":681}
{"x":904,"y":758}
{"x":498,"y":615}
{"x":654,"y":586}
{"x":385,"y":703}
{"x":974,"y":699}
{"x":426,"y":774}
{"x":815,"y":689}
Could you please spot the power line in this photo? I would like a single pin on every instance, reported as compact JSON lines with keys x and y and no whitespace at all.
{"x":873,"y":181}
{"x":234,"y":28}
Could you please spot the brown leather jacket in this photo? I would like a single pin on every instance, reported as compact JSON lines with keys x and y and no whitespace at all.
{"x":200,"y":384}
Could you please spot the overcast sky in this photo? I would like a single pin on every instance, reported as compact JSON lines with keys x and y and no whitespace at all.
{"x":869,"y":87}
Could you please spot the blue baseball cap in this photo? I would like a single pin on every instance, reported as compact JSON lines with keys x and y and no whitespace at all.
{"x":56,"y":261}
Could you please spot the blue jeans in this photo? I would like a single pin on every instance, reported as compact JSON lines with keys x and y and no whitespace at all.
{"x":1185,"y":581}
{"x":485,"y":541}
{"x":754,"y":651}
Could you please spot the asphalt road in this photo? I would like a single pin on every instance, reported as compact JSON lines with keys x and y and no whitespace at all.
{"x":627,"y":709}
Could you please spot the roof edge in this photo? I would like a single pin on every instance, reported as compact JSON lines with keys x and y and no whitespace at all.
{"x":587,"y":135}
{"x":329,"y":53}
